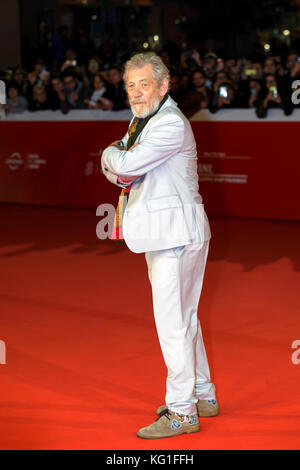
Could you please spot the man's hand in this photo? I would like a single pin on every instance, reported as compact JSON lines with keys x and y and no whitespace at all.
{"x":117,"y":144}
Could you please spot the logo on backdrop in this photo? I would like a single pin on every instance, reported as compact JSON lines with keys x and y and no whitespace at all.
{"x":33,"y":161}
{"x":296,"y":94}
{"x":14,"y":161}
{"x":93,"y":164}
{"x":210,"y":161}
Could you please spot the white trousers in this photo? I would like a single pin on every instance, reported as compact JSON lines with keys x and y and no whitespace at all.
{"x":176,"y":277}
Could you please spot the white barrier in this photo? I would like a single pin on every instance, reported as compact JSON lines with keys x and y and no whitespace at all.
{"x":226,"y":115}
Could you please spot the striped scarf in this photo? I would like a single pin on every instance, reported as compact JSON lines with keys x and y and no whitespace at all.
{"x":134,"y":130}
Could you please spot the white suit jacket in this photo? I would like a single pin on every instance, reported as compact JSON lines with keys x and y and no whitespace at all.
{"x":164,"y":208}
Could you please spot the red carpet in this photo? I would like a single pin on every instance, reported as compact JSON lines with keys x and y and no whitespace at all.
{"x":84,"y":368}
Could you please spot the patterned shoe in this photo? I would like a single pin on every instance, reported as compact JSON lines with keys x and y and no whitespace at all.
{"x":169,"y":424}
{"x":205,"y":408}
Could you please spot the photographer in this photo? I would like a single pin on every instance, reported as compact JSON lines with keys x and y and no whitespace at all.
{"x":224,"y":97}
{"x":254,"y":91}
{"x":74,"y":94}
{"x":271,"y":96}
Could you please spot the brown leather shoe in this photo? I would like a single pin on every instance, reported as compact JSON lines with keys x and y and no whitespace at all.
{"x":169,"y":424}
{"x":205,"y":408}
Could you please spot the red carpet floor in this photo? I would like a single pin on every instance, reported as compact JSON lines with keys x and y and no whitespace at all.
{"x":84,"y":368}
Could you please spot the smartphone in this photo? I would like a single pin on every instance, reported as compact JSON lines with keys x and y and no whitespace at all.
{"x":223,"y":91}
{"x":274,"y":90}
{"x":250,"y":72}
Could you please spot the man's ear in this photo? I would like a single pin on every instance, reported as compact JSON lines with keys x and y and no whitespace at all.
{"x":164,"y":87}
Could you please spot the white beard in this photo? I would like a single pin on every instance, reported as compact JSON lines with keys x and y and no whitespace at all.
{"x":148,"y":110}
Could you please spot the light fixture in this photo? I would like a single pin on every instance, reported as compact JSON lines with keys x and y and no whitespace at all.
{"x":156,"y":37}
{"x":267,"y":47}
{"x":286,"y":32}
{"x":145,"y":45}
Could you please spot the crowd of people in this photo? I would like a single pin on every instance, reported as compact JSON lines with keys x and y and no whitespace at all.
{"x":196,"y":82}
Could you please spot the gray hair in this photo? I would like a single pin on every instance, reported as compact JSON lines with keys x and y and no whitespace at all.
{"x":160,"y":71}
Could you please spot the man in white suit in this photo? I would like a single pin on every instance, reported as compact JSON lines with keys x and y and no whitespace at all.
{"x":156,"y":165}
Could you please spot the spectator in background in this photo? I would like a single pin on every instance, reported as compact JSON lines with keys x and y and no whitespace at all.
{"x":240,"y":84}
{"x":99,"y":88}
{"x":210,"y":69}
{"x":259,"y":71}
{"x":190,"y":60}
{"x":15,"y":103}
{"x":115,"y":95}
{"x":31,"y":81}
{"x":40,"y":100}
{"x":94,"y":66}
{"x":176,"y":90}
{"x":272,"y":96}
{"x":54,"y":89}
{"x":291,"y":60}
{"x":185,"y":81}
{"x":19,"y":78}
{"x":224,"y":97}
{"x":39,"y":66}
{"x":198,"y":97}
{"x":228,"y":64}
{"x":221,"y":76}
{"x":269,"y":66}
{"x":7,"y":76}
{"x":254,"y":91}
{"x":74,"y":94}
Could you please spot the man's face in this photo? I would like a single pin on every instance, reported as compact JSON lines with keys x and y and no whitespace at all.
{"x":114,"y":76}
{"x":56,"y":83}
{"x":198,"y":79}
{"x":174,"y":83}
{"x":270,"y":81}
{"x":12,"y":92}
{"x":93,"y":66}
{"x":69,"y":82}
{"x":290,"y":61}
{"x":269,"y":66}
{"x":209,"y":68}
{"x":143,"y":91}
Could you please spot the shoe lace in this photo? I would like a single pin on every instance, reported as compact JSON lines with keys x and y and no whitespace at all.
{"x":165,"y":413}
